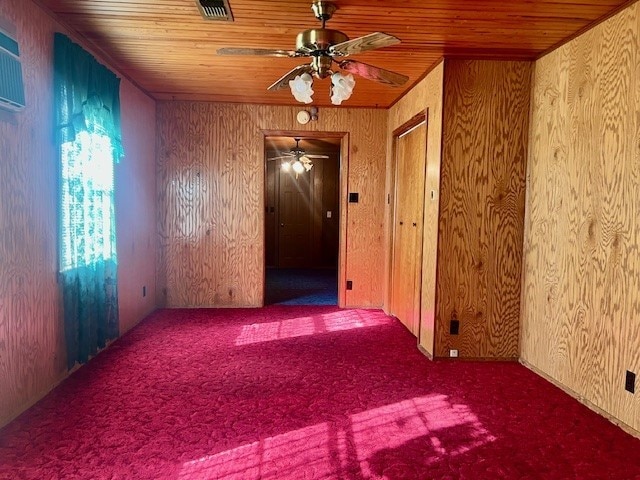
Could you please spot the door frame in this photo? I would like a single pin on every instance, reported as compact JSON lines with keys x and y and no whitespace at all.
{"x":343,"y":171}
{"x":414,"y":122}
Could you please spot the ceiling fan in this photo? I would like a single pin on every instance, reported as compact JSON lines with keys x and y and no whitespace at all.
{"x":326,"y":47}
{"x":297,"y":159}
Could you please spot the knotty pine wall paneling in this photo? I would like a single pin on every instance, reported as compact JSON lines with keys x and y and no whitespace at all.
{"x":486,"y":105}
{"x":580,"y":302}
{"x":426,"y":96}
{"x":32,"y":351}
{"x":211,"y":199}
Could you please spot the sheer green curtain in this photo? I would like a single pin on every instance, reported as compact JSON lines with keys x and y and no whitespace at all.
{"x":87,"y":97}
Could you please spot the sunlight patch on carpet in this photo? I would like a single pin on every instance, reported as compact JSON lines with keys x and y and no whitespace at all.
{"x":311,"y":325}
{"x":430,"y":419}
{"x":328,"y":450}
{"x":289,"y":456}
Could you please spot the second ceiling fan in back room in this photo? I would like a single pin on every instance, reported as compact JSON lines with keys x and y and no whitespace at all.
{"x":297,"y":159}
{"x":327,"y":49}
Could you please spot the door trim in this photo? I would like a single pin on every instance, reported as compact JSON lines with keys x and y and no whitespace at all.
{"x":343,"y":172}
{"x":414,"y":122}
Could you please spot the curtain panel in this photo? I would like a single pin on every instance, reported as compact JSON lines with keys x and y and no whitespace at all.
{"x":88,"y":134}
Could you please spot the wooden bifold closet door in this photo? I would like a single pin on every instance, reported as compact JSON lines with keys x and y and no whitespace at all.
{"x":410,"y":155}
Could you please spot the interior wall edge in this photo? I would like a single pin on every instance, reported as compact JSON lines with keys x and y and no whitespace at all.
{"x":20,"y":409}
{"x":426,"y":96}
{"x":580,"y":398}
{"x":211,"y":199}
{"x":579,"y":316}
{"x":32,"y":345}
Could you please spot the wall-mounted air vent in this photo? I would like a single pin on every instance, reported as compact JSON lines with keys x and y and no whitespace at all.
{"x":11,"y":85}
{"x":215,"y":10}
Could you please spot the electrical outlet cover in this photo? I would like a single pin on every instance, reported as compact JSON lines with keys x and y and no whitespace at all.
{"x":453,"y":353}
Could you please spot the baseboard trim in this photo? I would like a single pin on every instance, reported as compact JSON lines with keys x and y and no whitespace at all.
{"x":424,"y":351}
{"x":627,"y":428}
{"x":477,"y":359}
{"x":66,"y":374}
{"x":32,"y":401}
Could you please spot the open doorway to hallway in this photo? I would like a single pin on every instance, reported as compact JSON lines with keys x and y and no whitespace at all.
{"x":302,"y":221}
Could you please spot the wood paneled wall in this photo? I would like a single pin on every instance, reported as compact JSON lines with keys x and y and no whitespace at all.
{"x":486,"y":105}
{"x":211,"y":200}
{"x":136,"y":209}
{"x":32,"y":352}
{"x":581,"y":282}
{"x":427,"y":95}
{"x":474,"y":203}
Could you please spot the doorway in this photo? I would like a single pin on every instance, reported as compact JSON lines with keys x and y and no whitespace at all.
{"x":302,"y":220}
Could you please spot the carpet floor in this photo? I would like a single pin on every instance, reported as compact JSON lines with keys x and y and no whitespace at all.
{"x":301,"y":286}
{"x":288,"y":392}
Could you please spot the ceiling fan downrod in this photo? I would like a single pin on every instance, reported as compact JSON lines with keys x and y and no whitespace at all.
{"x":323,"y":10}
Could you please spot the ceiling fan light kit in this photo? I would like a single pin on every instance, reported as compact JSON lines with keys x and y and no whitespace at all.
{"x":342,"y":87}
{"x":325,"y":46}
{"x":301,"y":88}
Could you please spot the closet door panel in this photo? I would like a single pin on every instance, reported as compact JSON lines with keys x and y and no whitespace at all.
{"x":408,"y":227}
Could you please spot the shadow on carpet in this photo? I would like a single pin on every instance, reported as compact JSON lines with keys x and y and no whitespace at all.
{"x":300,"y":286}
{"x":313,"y":393}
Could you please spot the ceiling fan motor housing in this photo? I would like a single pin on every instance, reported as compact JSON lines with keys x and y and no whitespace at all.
{"x":319,"y":39}
{"x":316,"y":42}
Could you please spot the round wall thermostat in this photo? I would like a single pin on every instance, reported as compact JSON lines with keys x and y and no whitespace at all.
{"x":303,"y":117}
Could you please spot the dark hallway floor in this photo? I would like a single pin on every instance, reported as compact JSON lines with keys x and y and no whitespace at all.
{"x":301,"y":286}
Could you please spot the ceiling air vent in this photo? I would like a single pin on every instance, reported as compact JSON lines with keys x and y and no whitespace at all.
{"x":215,"y":10}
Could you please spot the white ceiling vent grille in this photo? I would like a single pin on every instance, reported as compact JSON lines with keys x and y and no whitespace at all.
{"x":215,"y":10}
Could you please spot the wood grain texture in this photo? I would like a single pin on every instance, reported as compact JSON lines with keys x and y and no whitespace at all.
{"x":32,"y":352}
{"x":583,"y":400}
{"x":581,"y":279}
{"x":211,"y":199}
{"x":31,"y":336}
{"x":486,"y":106}
{"x":426,"y":96}
{"x":136,"y":209}
{"x":169,"y":49}
{"x":410,"y":160}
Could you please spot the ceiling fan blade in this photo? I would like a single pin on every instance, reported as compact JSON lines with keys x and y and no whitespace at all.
{"x":374,"y":73}
{"x":315,"y":156}
{"x":284,"y":81}
{"x":363,"y":44}
{"x":263,"y":52}
{"x":282,"y":157}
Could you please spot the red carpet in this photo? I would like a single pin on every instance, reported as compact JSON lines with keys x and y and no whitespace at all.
{"x":304,"y":393}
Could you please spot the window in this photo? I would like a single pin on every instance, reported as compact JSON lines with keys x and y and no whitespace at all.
{"x":87,"y":211}
{"x":87,"y":109}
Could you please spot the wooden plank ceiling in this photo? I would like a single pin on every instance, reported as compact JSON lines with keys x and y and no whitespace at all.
{"x":170,"y":50}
